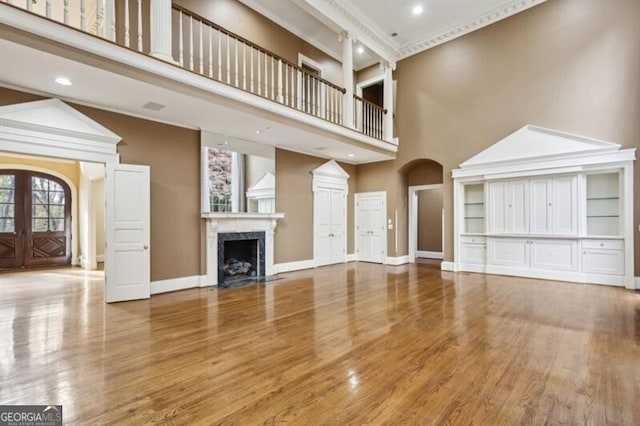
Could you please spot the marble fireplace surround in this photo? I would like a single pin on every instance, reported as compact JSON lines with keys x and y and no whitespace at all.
{"x":217,"y":223}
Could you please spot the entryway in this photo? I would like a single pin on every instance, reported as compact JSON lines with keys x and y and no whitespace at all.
{"x":370,"y":224}
{"x":35,"y":220}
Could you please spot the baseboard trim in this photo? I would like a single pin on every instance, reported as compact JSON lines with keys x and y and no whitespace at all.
{"x":175,"y":284}
{"x":430,"y":254}
{"x":293,"y":266}
{"x":353,"y":257}
{"x":100,"y":258}
{"x":447,"y":266}
{"x":395,"y":261}
{"x":637,"y":283}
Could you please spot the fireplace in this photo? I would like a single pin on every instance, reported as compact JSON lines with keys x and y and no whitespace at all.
{"x":241,"y":258}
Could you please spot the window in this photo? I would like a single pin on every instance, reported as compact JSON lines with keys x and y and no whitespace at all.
{"x":47,"y":205}
{"x":219,"y":164}
{"x":7,"y":203}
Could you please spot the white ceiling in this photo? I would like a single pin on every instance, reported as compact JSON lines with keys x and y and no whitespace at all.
{"x":373,"y":21}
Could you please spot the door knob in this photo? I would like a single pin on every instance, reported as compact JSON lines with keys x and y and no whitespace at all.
{"x":146,"y":247}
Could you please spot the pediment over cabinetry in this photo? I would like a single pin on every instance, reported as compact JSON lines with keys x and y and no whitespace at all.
{"x":532,"y":142}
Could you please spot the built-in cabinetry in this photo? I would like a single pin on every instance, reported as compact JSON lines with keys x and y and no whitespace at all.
{"x":566,"y":216}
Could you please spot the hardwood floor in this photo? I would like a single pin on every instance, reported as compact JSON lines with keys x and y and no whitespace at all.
{"x":346,"y":344}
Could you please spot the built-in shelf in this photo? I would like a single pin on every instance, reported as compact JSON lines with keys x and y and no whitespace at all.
{"x":474,"y":208}
{"x":603,"y":204}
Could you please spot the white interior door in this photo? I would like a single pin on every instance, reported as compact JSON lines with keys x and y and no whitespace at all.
{"x":370,"y":227}
{"x":338,"y":225}
{"x":322,"y":224}
{"x":127,"y":263}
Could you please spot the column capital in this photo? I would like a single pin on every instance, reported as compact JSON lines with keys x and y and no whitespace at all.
{"x":385,"y":65}
{"x":345,"y":35}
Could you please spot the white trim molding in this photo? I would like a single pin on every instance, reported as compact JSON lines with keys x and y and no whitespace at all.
{"x":429,"y":254}
{"x":448,"y":266}
{"x":352,"y":257}
{"x":293,"y":266}
{"x":176,"y":284}
{"x":637,"y":283}
{"x":396,"y":261}
{"x":504,"y":11}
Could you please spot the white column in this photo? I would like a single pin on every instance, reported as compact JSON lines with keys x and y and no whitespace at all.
{"x":388,"y":101}
{"x":110,"y":19}
{"x":161,"y":30}
{"x":347,"y":79}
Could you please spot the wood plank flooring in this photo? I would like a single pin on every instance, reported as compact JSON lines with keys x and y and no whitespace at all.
{"x":345,"y":344}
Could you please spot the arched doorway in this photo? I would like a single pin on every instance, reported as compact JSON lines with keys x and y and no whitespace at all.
{"x":35,"y":220}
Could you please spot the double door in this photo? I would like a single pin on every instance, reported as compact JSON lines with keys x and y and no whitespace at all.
{"x":536,"y":206}
{"x":330,"y":212}
{"x":371,"y":212}
{"x":35,"y":220}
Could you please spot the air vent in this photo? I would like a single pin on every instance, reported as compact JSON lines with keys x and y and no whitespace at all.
{"x":153,"y":106}
{"x":394,"y":34}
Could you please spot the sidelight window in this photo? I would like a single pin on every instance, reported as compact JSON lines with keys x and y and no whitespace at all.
{"x":7,"y":203}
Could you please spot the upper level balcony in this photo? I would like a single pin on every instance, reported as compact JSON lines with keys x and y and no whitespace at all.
{"x":156,"y":59}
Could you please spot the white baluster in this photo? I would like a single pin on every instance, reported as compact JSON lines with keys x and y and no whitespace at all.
{"x":48,"y":9}
{"x":259,"y":85}
{"x":181,"y":41}
{"x":29,"y":4}
{"x":191,"y":43}
{"x":83,"y":14}
{"x":201,"y":50}
{"x":235,"y":69}
{"x":282,"y":85}
{"x":219,"y":55}
{"x":244,"y":66}
{"x":228,"y":60}
{"x":127,"y":30}
{"x":139,"y":25}
{"x":251,"y":67}
{"x":65,"y":13}
{"x":99,"y":12}
{"x":210,"y":52}
{"x":273,"y":84}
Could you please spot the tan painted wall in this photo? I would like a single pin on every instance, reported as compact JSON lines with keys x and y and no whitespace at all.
{"x":245,"y":22}
{"x":570,"y":65}
{"x":294,"y":196}
{"x":430,"y":220}
{"x":172,"y":153}
{"x":68,"y":169}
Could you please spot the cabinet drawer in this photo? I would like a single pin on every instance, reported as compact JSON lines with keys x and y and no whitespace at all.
{"x":469,"y":239}
{"x":603,"y":244}
{"x":474,"y":253}
{"x":597,"y":261}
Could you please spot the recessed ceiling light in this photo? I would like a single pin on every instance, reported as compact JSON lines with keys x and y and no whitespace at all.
{"x":258,"y":132}
{"x":417,"y":10}
{"x":360,"y":50}
{"x":63,"y":81}
{"x":351,"y":155}
{"x":153,"y":106}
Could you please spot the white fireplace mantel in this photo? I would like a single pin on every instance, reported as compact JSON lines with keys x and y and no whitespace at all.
{"x":238,"y":222}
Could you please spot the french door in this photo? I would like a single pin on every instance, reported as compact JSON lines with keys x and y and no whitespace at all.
{"x":35,"y":220}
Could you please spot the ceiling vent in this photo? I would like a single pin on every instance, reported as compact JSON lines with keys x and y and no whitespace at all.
{"x":153,"y":106}
{"x":394,"y":34}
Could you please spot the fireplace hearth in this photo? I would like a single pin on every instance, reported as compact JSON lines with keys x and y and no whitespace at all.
{"x":241,"y":258}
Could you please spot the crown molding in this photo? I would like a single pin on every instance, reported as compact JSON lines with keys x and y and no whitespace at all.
{"x":348,"y":17}
{"x":495,"y":15}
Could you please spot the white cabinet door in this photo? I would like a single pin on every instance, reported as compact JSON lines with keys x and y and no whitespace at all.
{"x":370,"y":227}
{"x":518,"y":215}
{"x":509,"y":207}
{"x":541,"y":211}
{"x":498,"y":207}
{"x":513,"y":252}
{"x":127,"y":220}
{"x":565,"y":205}
{"x":330,"y":228}
{"x":554,"y":254}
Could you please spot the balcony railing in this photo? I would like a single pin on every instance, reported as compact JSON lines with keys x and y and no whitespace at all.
{"x":368,"y":117}
{"x":211,"y":51}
